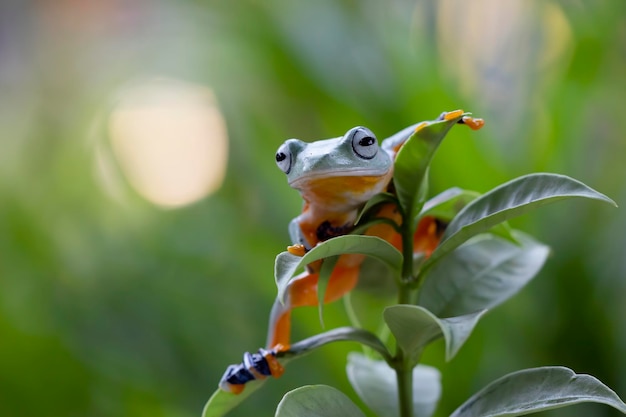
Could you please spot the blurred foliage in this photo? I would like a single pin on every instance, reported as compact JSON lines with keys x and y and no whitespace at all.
{"x":112,"y":306}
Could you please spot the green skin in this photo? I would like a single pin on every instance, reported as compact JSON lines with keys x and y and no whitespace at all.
{"x":335,"y":178}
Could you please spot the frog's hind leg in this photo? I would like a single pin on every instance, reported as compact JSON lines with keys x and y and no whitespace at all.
{"x":302,"y":291}
{"x":427,"y":235}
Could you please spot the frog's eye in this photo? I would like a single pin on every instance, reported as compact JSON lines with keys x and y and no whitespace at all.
{"x":283,"y":158}
{"x":364,"y":143}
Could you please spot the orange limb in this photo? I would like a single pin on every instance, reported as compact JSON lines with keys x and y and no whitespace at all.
{"x":302,"y":291}
{"x":387,"y":231}
{"x":421,"y":126}
{"x":298,"y":250}
{"x":427,"y":235}
{"x":452,"y":114}
{"x":473,"y":124}
{"x":275,"y":367}
{"x":235,"y":388}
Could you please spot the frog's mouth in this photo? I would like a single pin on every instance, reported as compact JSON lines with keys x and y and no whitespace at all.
{"x":341,"y":191}
{"x":341,"y":176}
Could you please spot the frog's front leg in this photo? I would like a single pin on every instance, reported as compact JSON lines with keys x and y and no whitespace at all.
{"x":473,"y":124}
{"x":296,"y":235}
{"x":302,"y":291}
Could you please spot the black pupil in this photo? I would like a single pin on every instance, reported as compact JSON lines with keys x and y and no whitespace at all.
{"x":280,"y":156}
{"x":367,"y":141}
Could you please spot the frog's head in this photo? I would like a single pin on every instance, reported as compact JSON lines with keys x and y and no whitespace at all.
{"x":344,"y":170}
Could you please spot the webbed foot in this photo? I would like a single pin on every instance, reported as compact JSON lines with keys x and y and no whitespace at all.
{"x":471,"y":122}
{"x":255,"y":366}
{"x":298,"y":250}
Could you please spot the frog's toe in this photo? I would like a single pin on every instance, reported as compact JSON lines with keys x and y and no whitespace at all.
{"x":255,"y":366}
{"x":473,"y":124}
{"x":450,"y":115}
{"x":298,"y":250}
{"x":275,"y":368}
{"x":235,"y":379}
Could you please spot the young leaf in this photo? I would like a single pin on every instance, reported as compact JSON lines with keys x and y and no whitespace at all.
{"x":221,"y":402}
{"x":374,"y":201}
{"x":375,"y":247}
{"x":365,"y":311}
{"x":509,"y":200}
{"x":481,"y":274}
{"x":538,"y":389}
{"x":317,"y":401}
{"x":322,"y":282}
{"x":448,"y":203}
{"x":413,"y":160}
{"x":285,"y":266}
{"x":375,"y":383}
{"x":414,"y":327}
{"x":336,"y":335}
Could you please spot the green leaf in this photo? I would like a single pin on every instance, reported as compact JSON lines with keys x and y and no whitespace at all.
{"x":336,"y":335}
{"x":375,"y":383}
{"x":505,"y":231}
{"x":538,"y":389}
{"x":482,"y":273}
{"x":413,"y":160}
{"x":365,"y":311}
{"x":286,"y":264}
{"x":374,"y":201}
{"x":414,"y":327}
{"x":448,"y":203}
{"x":317,"y":401}
{"x":506,"y":201}
{"x":221,"y":402}
{"x":322,"y":282}
{"x":376,"y":278}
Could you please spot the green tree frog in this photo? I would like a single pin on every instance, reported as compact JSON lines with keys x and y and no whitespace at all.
{"x":335,"y":178}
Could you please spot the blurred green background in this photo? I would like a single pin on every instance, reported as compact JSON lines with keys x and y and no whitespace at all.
{"x":131,"y":275}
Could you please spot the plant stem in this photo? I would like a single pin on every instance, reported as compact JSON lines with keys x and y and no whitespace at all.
{"x":404,"y":377}
{"x":403,"y":368}
{"x":407,"y":261}
{"x":404,"y":371}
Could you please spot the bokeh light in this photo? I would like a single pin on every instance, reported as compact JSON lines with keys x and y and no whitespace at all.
{"x":170,"y":141}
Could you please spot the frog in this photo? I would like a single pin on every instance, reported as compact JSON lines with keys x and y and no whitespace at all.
{"x":336,"y":177}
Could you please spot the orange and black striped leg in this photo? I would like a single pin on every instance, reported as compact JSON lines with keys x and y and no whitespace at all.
{"x":255,"y":366}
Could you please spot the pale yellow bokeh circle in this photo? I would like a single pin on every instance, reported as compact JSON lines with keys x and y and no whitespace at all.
{"x":170,"y":141}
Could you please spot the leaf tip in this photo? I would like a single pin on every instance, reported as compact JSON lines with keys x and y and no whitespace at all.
{"x":609,"y":201}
